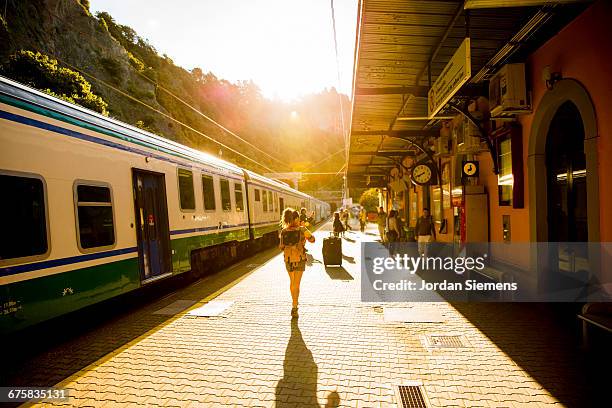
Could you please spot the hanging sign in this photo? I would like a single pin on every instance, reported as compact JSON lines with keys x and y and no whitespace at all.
{"x":456,"y":73}
{"x":469,"y":168}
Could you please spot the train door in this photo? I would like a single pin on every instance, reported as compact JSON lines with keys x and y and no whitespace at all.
{"x":152,"y":229}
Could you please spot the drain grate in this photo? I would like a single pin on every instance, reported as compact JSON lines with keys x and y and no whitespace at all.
{"x":445,"y":341}
{"x":411,"y":395}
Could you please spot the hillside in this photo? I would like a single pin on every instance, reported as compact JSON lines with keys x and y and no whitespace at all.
{"x":144,"y":88}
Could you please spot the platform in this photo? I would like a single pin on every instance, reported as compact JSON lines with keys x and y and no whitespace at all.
{"x":340,"y":352}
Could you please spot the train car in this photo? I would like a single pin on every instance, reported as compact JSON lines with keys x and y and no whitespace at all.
{"x":93,"y":208}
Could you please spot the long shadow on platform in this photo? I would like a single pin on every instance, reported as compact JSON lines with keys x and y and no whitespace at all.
{"x":298,"y":387}
{"x":338,"y":273}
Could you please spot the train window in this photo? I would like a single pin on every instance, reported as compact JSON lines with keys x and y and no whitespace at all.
{"x":275,"y":202}
{"x":257,"y":198}
{"x":238,"y":197}
{"x":186,"y":193}
{"x":270,"y":205}
{"x":264,"y":199}
{"x":208,"y":189}
{"x":95,"y":224}
{"x":226,"y":202}
{"x":24,"y":217}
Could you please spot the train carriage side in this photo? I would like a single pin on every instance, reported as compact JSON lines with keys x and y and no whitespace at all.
{"x":98,"y":208}
{"x":267,"y":199}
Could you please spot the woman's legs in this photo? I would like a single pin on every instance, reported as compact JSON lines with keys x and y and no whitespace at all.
{"x":295,"y":278}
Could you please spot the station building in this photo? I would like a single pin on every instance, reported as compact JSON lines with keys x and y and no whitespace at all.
{"x":495,"y":118}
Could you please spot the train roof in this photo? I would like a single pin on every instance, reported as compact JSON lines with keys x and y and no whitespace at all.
{"x":34,"y":97}
{"x":23,"y":93}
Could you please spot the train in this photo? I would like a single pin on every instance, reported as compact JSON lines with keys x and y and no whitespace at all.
{"x":93,"y":208}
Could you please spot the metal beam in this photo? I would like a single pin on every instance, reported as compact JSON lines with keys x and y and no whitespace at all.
{"x":443,"y":38}
{"x":397,"y":133}
{"x":385,"y":153}
{"x":434,"y":54}
{"x":417,"y":91}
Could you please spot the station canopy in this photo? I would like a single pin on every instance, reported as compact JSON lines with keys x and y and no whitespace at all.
{"x":402,"y":46}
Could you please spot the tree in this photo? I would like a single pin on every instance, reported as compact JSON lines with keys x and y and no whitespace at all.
{"x":369,"y":199}
{"x":43,"y":72}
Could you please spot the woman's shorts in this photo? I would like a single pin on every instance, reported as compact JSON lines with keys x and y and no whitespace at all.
{"x":295,"y":266}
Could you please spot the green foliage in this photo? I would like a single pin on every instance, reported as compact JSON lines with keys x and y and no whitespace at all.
{"x":135,"y":62}
{"x":309,"y":142}
{"x":369,"y":199}
{"x":42,"y":72}
{"x":102,"y":23}
{"x":113,"y":67}
{"x":84,"y":5}
{"x":143,"y":125}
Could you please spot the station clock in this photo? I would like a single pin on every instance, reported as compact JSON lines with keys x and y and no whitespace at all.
{"x":422,"y":174}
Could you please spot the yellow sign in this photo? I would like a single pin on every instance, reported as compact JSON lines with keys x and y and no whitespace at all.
{"x":456,"y":73}
{"x":470,"y":168}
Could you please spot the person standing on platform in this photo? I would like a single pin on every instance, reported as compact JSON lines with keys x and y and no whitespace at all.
{"x":303,"y":217}
{"x":425,"y":230}
{"x":293,"y":239}
{"x":363,"y":218}
{"x":382,"y":224}
{"x":393,"y":232}
{"x":337,"y":225}
{"x":345,"y":220}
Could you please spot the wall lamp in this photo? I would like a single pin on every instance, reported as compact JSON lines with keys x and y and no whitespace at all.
{"x":550,"y":78}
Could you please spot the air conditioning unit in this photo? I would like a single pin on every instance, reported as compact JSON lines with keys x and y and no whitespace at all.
{"x":508,"y":92}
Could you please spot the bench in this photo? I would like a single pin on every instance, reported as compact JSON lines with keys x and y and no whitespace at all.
{"x":596,"y":314}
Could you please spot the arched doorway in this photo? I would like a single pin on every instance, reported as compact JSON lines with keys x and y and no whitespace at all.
{"x":566,"y":176}
{"x":563,"y":177}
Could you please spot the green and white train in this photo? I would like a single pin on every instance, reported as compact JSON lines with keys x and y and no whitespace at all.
{"x":93,"y":208}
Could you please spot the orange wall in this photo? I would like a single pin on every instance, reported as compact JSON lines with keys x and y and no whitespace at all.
{"x":583,"y":51}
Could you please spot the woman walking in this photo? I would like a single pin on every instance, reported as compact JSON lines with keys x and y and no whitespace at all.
{"x":293,"y":239}
{"x":363,"y":219}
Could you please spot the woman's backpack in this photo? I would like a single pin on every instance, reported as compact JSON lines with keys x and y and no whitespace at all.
{"x":292,"y":244}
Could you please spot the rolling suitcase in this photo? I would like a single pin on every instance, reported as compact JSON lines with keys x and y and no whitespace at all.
{"x":332,"y":250}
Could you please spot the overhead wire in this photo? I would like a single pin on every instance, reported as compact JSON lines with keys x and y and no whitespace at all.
{"x":344,"y":134}
{"x":324,"y":159}
{"x":191,"y":107}
{"x":162,"y":113}
{"x":157,"y":85}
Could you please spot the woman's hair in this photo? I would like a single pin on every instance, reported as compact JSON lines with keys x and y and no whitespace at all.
{"x":289,"y":215}
{"x":336,"y":215}
{"x":392,"y":213}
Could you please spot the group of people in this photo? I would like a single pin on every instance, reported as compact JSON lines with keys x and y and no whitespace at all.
{"x":341,"y":221}
{"x":391,"y":229}
{"x":294,"y":235}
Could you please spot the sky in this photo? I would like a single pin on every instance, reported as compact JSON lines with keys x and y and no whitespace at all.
{"x":285,"y":46}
